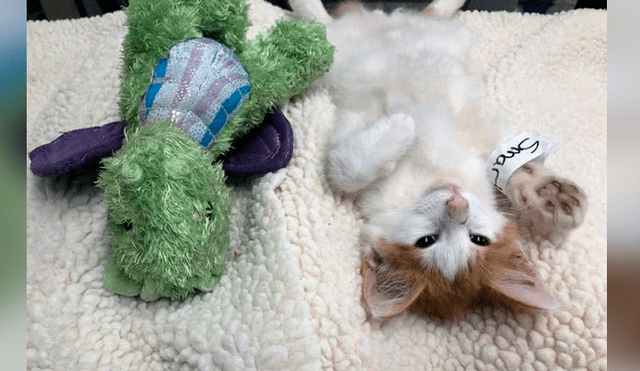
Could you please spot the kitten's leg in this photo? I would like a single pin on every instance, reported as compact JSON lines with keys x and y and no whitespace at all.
{"x":357,"y":159}
{"x":444,"y":8}
{"x":547,"y":206}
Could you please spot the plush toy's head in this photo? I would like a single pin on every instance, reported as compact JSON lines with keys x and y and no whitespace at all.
{"x":169,"y":214}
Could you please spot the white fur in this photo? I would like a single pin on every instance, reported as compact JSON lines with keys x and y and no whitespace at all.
{"x":405,"y":109}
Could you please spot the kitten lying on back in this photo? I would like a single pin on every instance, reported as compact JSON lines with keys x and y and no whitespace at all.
{"x":412,"y":142}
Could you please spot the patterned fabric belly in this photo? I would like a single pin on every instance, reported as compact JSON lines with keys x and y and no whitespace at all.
{"x":199,"y":87}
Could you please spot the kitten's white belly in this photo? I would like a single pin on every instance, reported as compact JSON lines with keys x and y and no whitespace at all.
{"x":385,"y":65}
{"x":414,"y":66}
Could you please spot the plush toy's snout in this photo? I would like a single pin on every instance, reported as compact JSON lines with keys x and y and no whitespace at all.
{"x":169,"y":216}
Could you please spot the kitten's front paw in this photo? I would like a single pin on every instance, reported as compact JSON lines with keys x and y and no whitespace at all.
{"x":548,"y":206}
{"x":394,"y":135}
{"x":397,"y":129}
{"x":362,"y":156}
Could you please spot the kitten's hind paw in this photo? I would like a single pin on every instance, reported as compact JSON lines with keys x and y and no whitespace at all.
{"x":548,"y":207}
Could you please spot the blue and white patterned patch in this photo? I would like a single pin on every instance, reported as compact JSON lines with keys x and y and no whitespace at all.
{"x":199,"y":86}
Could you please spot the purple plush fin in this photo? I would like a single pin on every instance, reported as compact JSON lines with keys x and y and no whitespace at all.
{"x":75,"y":149}
{"x":268,"y":147}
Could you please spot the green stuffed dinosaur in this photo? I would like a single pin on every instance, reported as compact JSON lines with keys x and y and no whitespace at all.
{"x":191,"y":83}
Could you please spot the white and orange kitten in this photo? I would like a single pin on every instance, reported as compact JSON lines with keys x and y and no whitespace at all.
{"x":411,"y":142}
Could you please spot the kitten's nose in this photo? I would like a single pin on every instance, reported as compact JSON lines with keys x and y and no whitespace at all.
{"x":457,"y":206}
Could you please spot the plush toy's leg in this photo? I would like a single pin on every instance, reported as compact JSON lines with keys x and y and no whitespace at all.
{"x":209,"y":284}
{"x":148,"y":291}
{"x":154,"y":26}
{"x":115,"y":280}
{"x":285,"y":60}
{"x":281,"y":63}
{"x":225,"y":22}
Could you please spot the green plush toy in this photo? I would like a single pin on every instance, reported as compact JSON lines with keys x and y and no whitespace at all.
{"x":191,"y":83}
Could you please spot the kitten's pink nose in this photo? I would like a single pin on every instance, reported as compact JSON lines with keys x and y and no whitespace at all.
{"x":457,"y":206}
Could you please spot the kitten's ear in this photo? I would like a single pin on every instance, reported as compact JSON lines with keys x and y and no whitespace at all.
{"x":525,"y":289}
{"x":513,"y":275}
{"x":386,"y":292}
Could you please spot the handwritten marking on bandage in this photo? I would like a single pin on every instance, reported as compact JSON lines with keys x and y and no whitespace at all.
{"x":502,"y":158}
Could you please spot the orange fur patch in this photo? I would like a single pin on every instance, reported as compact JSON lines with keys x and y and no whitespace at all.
{"x":395,"y":279}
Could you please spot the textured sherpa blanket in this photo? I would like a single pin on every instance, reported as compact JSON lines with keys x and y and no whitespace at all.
{"x":291,"y":300}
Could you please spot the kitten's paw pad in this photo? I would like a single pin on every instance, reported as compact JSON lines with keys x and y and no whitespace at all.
{"x":563,"y":195}
{"x":562,"y":199}
{"x":551,"y":207}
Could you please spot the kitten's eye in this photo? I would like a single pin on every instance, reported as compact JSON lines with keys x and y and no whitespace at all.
{"x":426,"y":241}
{"x":479,"y":240}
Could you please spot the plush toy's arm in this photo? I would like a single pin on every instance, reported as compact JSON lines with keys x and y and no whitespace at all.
{"x":281,"y":63}
{"x":225,"y":23}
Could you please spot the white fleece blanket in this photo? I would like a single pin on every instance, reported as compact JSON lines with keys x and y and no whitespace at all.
{"x":291,"y":300}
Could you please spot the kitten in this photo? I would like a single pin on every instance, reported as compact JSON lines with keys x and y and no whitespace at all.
{"x":411,"y":143}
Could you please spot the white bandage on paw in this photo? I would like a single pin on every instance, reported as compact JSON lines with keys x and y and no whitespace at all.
{"x":515,"y":152}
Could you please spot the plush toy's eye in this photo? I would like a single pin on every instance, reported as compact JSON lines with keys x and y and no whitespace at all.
{"x":479,"y":240}
{"x":127,"y":225}
{"x":209,"y":210}
{"x":426,"y":241}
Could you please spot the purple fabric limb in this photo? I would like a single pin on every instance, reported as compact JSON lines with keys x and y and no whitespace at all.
{"x":77,"y":148}
{"x":268,"y":147}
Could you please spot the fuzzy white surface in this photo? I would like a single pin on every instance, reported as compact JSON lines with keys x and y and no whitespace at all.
{"x":292,"y":299}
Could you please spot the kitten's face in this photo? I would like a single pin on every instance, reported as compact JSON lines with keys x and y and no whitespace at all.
{"x":448,"y":227}
{"x":396,"y":279}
